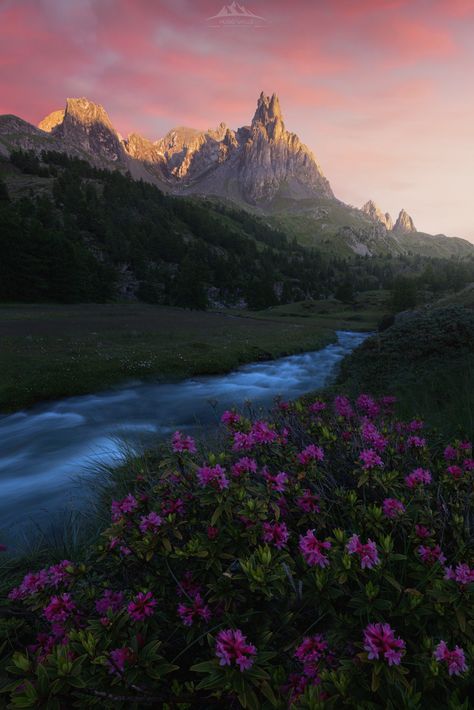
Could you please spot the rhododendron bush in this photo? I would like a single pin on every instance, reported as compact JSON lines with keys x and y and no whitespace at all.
{"x":320,"y":558}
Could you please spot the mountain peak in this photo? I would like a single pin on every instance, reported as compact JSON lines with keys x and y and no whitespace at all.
{"x":268,"y":114}
{"x":374,"y":212}
{"x":404,"y":223}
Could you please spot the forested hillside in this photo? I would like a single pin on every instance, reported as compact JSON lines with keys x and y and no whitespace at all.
{"x":73,"y":233}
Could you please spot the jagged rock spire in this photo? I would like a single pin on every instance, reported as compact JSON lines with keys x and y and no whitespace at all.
{"x":376,"y":214}
{"x":268,"y":115}
{"x":404,"y":223}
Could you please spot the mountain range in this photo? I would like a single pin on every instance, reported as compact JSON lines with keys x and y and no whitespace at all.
{"x":261,"y":166}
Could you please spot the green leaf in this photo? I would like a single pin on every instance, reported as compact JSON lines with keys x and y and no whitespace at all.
{"x":205,"y":667}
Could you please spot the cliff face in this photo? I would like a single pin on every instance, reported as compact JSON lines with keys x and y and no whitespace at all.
{"x":376,"y":214}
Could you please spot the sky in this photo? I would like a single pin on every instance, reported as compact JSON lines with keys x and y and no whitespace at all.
{"x":382,"y":91}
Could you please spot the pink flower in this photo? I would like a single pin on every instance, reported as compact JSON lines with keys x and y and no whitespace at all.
{"x":393,"y":507}
{"x":450,"y":453}
{"x":208,"y":475}
{"x":368,"y":405}
{"x":188,"y":586}
{"x":150,"y":522}
{"x":232,"y":647}
{"x":262,"y":433}
{"x":121,"y":507}
{"x":367,"y":552}
{"x":244,"y":465}
{"x":34,"y":582}
{"x":418,"y":477}
{"x":416,"y":442}
{"x":194,"y":611}
{"x":276,"y":533}
{"x":422,"y":532}
{"x":173,"y":505}
{"x":181,"y":443}
{"x":110,"y":601}
{"x":212,"y":532}
{"x":371,"y":434}
{"x":455,"y":659}
{"x":312,"y":549}
{"x":469,"y":464}
{"x":308,"y":502}
{"x":242,"y":441}
{"x":141,"y":606}
{"x":311,"y":453}
{"x":415,"y":425}
{"x":59,"y":609}
{"x":379,"y":640}
{"x":317,"y":407}
{"x":118,"y":657}
{"x":343,"y":407}
{"x":230,"y":419}
{"x":462,"y":574}
{"x":275,"y":482}
{"x":430,"y":555}
{"x":370,"y":459}
{"x":455,"y":471}
{"x":311,"y":652}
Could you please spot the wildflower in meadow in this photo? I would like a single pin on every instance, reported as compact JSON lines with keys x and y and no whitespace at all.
{"x":276,"y":533}
{"x":230,"y":419}
{"x":311,"y":453}
{"x":317,"y":407}
{"x":455,"y":659}
{"x":418,"y":477}
{"x":194,"y":610}
{"x":209,"y":475}
{"x":262,"y":433}
{"x":181,"y":443}
{"x":188,"y":586}
{"x":380,"y":641}
{"x":368,"y":405}
{"x":212,"y":532}
{"x":242,"y":441}
{"x":450,"y":453}
{"x":370,"y":459}
{"x":150,"y":522}
{"x":123,"y":507}
{"x":416,"y":442}
{"x":392,"y":507}
{"x":371,"y":434}
{"x":308,"y":502}
{"x":232,"y":647}
{"x":367,"y":552}
{"x":142,"y":606}
{"x":422,"y":532}
{"x":276,"y":482}
{"x":243,"y":466}
{"x":455,"y":471}
{"x":313,"y":549}
{"x":118,"y":658}
{"x":462,"y":574}
{"x":415,"y":425}
{"x":311,"y":652}
{"x":59,"y":608}
{"x":431,"y":555}
{"x":170,"y":506}
{"x":343,"y":407}
{"x":468,"y":464}
{"x":110,"y":601}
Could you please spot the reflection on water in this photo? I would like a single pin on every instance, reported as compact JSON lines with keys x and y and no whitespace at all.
{"x":43,"y":449}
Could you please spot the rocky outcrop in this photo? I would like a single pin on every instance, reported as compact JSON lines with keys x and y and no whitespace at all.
{"x":255,"y":163}
{"x":52,"y":120}
{"x":376,"y":215}
{"x":404,"y":223}
{"x":86,"y":127}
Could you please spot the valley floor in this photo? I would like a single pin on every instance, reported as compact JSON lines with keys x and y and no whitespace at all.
{"x":50,"y":351}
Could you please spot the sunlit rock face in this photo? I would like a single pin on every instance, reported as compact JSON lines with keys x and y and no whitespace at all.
{"x":255,"y":163}
{"x":376,"y":214}
{"x":404,"y":223}
{"x":85,"y":126}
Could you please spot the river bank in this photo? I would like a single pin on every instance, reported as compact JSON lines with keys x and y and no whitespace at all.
{"x":52,"y":351}
{"x":47,"y":450}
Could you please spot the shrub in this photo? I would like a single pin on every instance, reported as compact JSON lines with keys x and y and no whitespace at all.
{"x":322,"y":558}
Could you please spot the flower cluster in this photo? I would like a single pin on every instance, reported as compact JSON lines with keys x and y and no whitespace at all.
{"x":380,"y":641}
{"x":367,"y":552}
{"x":232,"y":647}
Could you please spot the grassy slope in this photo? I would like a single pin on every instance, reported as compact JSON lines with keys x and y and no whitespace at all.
{"x":427,"y":361}
{"x":51,"y":351}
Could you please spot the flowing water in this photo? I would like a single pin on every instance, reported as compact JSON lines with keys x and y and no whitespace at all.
{"x":46,"y":449}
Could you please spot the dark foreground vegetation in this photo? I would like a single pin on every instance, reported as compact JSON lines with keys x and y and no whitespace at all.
{"x":322,"y":558}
